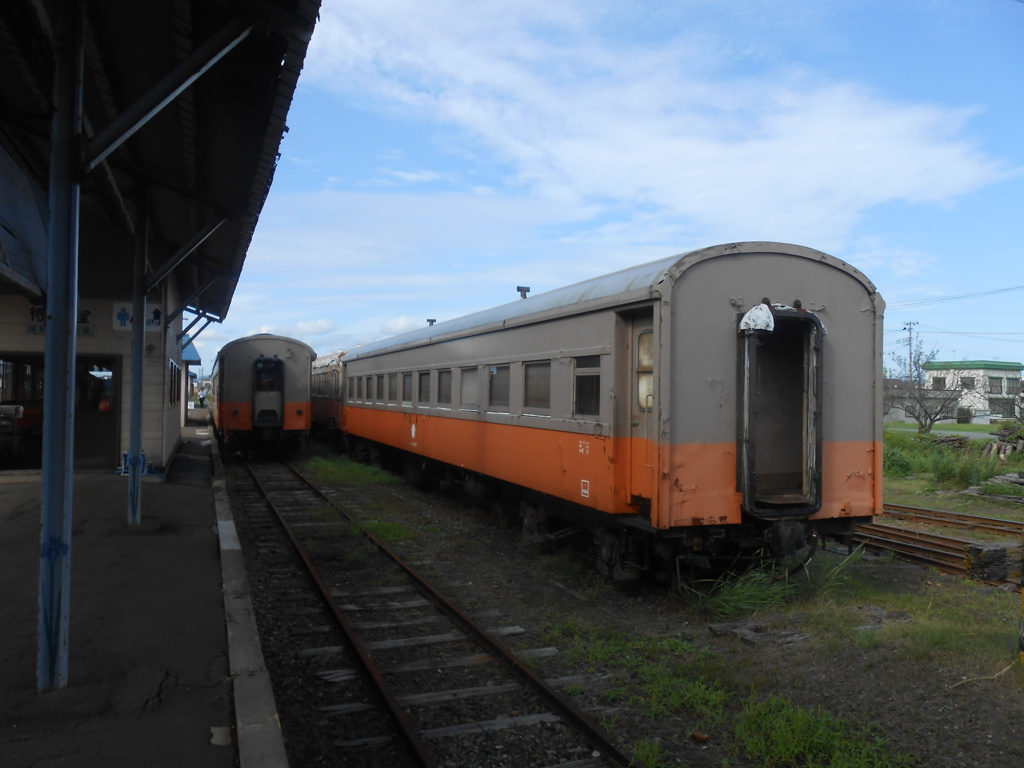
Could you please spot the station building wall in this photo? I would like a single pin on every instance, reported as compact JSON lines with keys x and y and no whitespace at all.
{"x":103,"y":401}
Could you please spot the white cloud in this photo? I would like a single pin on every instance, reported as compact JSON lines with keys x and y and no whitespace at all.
{"x":773,"y":154}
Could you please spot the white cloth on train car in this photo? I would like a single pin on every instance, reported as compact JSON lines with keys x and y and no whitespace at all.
{"x":758,"y":318}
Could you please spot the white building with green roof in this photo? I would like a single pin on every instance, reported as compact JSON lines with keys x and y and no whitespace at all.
{"x":989,"y":389}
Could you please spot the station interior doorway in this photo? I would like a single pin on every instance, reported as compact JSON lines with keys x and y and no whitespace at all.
{"x":97,"y":410}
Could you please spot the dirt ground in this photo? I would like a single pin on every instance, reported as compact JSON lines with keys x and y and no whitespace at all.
{"x":943,"y":713}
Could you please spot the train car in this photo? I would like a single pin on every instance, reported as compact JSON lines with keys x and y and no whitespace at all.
{"x":710,"y":406}
{"x":326,"y":392}
{"x":260,"y":395}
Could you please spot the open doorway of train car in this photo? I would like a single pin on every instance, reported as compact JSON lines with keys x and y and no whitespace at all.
{"x":780,"y":416}
{"x":642,"y":427}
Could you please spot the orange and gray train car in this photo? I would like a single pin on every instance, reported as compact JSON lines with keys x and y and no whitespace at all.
{"x":650,"y":407}
{"x":260,"y":397}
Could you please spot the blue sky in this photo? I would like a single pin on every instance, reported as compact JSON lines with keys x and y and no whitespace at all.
{"x":440,"y":154}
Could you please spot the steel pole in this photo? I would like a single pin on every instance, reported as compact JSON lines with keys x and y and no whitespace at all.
{"x":61,"y":326}
{"x":138,"y":363}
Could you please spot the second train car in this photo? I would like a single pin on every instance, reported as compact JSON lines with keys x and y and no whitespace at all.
{"x":260,"y":396}
{"x":710,"y":406}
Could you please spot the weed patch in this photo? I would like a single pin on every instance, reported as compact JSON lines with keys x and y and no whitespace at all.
{"x":342,"y":471}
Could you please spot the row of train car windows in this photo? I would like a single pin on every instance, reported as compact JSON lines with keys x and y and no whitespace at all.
{"x":464,"y":387}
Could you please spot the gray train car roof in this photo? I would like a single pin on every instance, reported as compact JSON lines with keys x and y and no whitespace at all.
{"x":266,"y":337}
{"x":618,"y":288}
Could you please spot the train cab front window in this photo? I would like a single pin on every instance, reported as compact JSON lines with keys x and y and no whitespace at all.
{"x":645,"y":371}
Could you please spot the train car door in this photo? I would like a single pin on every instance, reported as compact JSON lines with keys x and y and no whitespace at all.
{"x":643,"y":429}
{"x":268,"y":392}
{"x":779,"y":418}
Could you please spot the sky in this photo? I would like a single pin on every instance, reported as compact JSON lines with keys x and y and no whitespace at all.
{"x":440,"y":154}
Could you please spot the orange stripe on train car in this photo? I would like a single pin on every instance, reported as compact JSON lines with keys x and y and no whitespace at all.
{"x":234,"y":416}
{"x":569,"y":466}
{"x":237,"y":416}
{"x":701,"y":483}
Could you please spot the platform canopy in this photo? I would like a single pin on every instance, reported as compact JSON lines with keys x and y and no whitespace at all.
{"x":185,"y":104}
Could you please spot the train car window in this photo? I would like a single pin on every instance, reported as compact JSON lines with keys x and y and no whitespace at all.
{"x":444,"y":386}
{"x":392,"y":387}
{"x":469,"y":388}
{"x":645,"y":370}
{"x":406,"y":389}
{"x":537,"y":385}
{"x":498,"y":387}
{"x":587,"y":385}
{"x":359,"y":388}
{"x":380,"y":388}
{"x":423,"y":396}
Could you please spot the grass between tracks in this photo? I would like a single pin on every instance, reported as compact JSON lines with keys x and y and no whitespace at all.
{"x":836,"y":606}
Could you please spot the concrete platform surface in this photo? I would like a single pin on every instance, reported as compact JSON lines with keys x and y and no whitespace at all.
{"x":150,"y":682}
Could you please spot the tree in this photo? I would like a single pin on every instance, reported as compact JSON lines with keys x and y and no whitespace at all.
{"x":924,"y":399}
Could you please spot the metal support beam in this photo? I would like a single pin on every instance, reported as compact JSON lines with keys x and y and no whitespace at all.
{"x":192,"y":297}
{"x":183,"y":253}
{"x":135,"y":467}
{"x":205,"y":326}
{"x":165,"y":91}
{"x":61,"y":328}
{"x":188,"y":328}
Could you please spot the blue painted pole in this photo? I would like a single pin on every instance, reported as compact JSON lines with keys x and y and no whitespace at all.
{"x":61,"y":326}
{"x":138,"y":359}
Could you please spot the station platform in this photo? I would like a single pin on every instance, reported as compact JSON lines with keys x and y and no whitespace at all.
{"x":165,"y":667}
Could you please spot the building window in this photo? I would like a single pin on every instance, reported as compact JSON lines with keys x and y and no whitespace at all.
{"x":537,"y":385}
{"x":967,"y":382}
{"x":469,"y":388}
{"x":995,"y":385}
{"x":444,"y":386}
{"x":498,"y":387}
{"x":939,"y":382}
{"x":423,"y":396}
{"x":1003,"y":406}
{"x":1013,"y":386}
{"x":174,"y":380}
{"x":587,"y":386}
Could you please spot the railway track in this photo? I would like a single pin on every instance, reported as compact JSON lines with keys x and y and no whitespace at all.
{"x":955,"y":519}
{"x":993,"y":563}
{"x":394,"y":673}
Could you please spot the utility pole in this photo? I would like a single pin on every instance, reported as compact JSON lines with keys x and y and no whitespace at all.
{"x":912,"y":374}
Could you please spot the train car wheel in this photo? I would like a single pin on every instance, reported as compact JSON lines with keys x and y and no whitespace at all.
{"x":796,"y":553}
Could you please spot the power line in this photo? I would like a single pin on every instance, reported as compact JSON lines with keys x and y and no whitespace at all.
{"x":954,"y":297}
